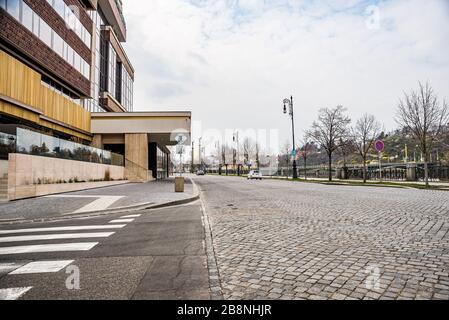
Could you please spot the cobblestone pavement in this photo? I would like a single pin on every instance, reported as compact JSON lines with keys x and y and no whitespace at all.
{"x":285,"y":240}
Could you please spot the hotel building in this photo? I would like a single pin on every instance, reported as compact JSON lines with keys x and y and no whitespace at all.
{"x":66,"y":101}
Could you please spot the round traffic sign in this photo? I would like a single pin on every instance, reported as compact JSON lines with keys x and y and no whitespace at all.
{"x":379,"y":145}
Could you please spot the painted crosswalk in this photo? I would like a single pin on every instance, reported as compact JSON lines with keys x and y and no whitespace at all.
{"x":46,"y":248}
{"x":13,"y":293}
{"x":122,"y":221}
{"x":56,"y":237}
{"x":56,"y":229}
{"x":42,"y":267}
{"x":16,"y":244}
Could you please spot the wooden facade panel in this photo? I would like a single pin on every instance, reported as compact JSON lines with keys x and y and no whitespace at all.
{"x":23,"y":84}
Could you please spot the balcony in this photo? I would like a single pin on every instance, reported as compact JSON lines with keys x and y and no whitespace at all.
{"x":90,"y":4}
{"x":113,"y":13}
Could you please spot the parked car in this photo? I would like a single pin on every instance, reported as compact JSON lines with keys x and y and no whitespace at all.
{"x":255,"y":175}
{"x":200,"y":173}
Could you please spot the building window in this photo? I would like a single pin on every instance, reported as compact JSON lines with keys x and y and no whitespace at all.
{"x":104,"y":54}
{"x":118,"y":82}
{"x":13,"y":8}
{"x":58,"y":44}
{"x":3,"y":4}
{"x":29,"y":19}
{"x":72,"y":21}
{"x":112,"y":64}
{"x":45,"y":33}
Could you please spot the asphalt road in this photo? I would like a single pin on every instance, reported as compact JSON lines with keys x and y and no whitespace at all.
{"x":288,"y":240}
{"x":156,"y":254}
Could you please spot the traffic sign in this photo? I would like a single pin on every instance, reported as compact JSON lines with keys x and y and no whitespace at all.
{"x":294,"y":153}
{"x":379,"y":145}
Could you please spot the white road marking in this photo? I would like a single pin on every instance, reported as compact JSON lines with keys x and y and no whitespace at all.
{"x":86,"y":246}
{"x":56,"y":229}
{"x":122,"y":221}
{"x":102,"y":203}
{"x":131,"y":216}
{"x":8,"y":267}
{"x":13,"y":293}
{"x":42,"y":267}
{"x":56,"y":237}
{"x":72,"y":196}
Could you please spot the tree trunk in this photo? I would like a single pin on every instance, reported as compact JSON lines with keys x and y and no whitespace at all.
{"x":305,"y":167}
{"x":426,"y":173}
{"x":330,"y":167}
{"x":364,"y":170}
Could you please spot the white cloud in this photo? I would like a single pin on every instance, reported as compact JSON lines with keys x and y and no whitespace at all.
{"x":233,"y":61}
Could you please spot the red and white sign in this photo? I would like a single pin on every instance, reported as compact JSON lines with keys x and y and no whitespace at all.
{"x":379,"y":146}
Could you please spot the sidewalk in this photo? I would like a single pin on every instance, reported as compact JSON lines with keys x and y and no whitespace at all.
{"x":83,"y":202}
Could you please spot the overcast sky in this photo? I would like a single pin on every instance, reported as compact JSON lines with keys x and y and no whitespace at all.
{"x":232,"y":62}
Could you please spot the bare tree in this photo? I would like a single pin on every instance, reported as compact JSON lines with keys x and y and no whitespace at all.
{"x":423,"y":115}
{"x":364,"y":135}
{"x":306,"y":150}
{"x":249,"y":148}
{"x":285,"y":157}
{"x":258,"y":155}
{"x":332,"y":125}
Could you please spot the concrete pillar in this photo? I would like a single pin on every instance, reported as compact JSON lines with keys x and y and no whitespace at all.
{"x":136,"y":157}
{"x":97,"y":141}
{"x":411,"y":172}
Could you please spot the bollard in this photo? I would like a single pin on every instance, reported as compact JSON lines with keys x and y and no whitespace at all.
{"x":179,"y":184}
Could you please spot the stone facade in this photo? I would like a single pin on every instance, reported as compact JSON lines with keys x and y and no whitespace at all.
{"x":31,"y":176}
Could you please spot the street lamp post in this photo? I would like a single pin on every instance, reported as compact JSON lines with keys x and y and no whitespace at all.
{"x":289,"y":103}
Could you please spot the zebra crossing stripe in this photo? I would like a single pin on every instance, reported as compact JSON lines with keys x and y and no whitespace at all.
{"x":13,"y":293}
{"x":8,"y":267}
{"x":122,"y":221}
{"x":56,"y":237}
{"x":56,"y":229}
{"x":86,"y":246}
{"x":131,"y":216}
{"x":42,"y":267}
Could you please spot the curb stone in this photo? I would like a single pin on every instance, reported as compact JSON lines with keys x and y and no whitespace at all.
{"x":216,"y":291}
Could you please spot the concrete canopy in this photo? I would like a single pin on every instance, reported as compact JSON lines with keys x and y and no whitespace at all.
{"x":161,"y":127}
{"x":139,"y":133}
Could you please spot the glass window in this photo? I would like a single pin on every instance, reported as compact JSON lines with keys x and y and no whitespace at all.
{"x":70,"y":53}
{"x":28,"y":142}
{"x":36,"y":21}
{"x":3,"y":4}
{"x":13,"y":8}
{"x":58,"y":44}
{"x":59,"y":6}
{"x":45,"y":33}
{"x":87,"y":39}
{"x":77,"y":62}
{"x":27,"y":17}
{"x":49,"y":146}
